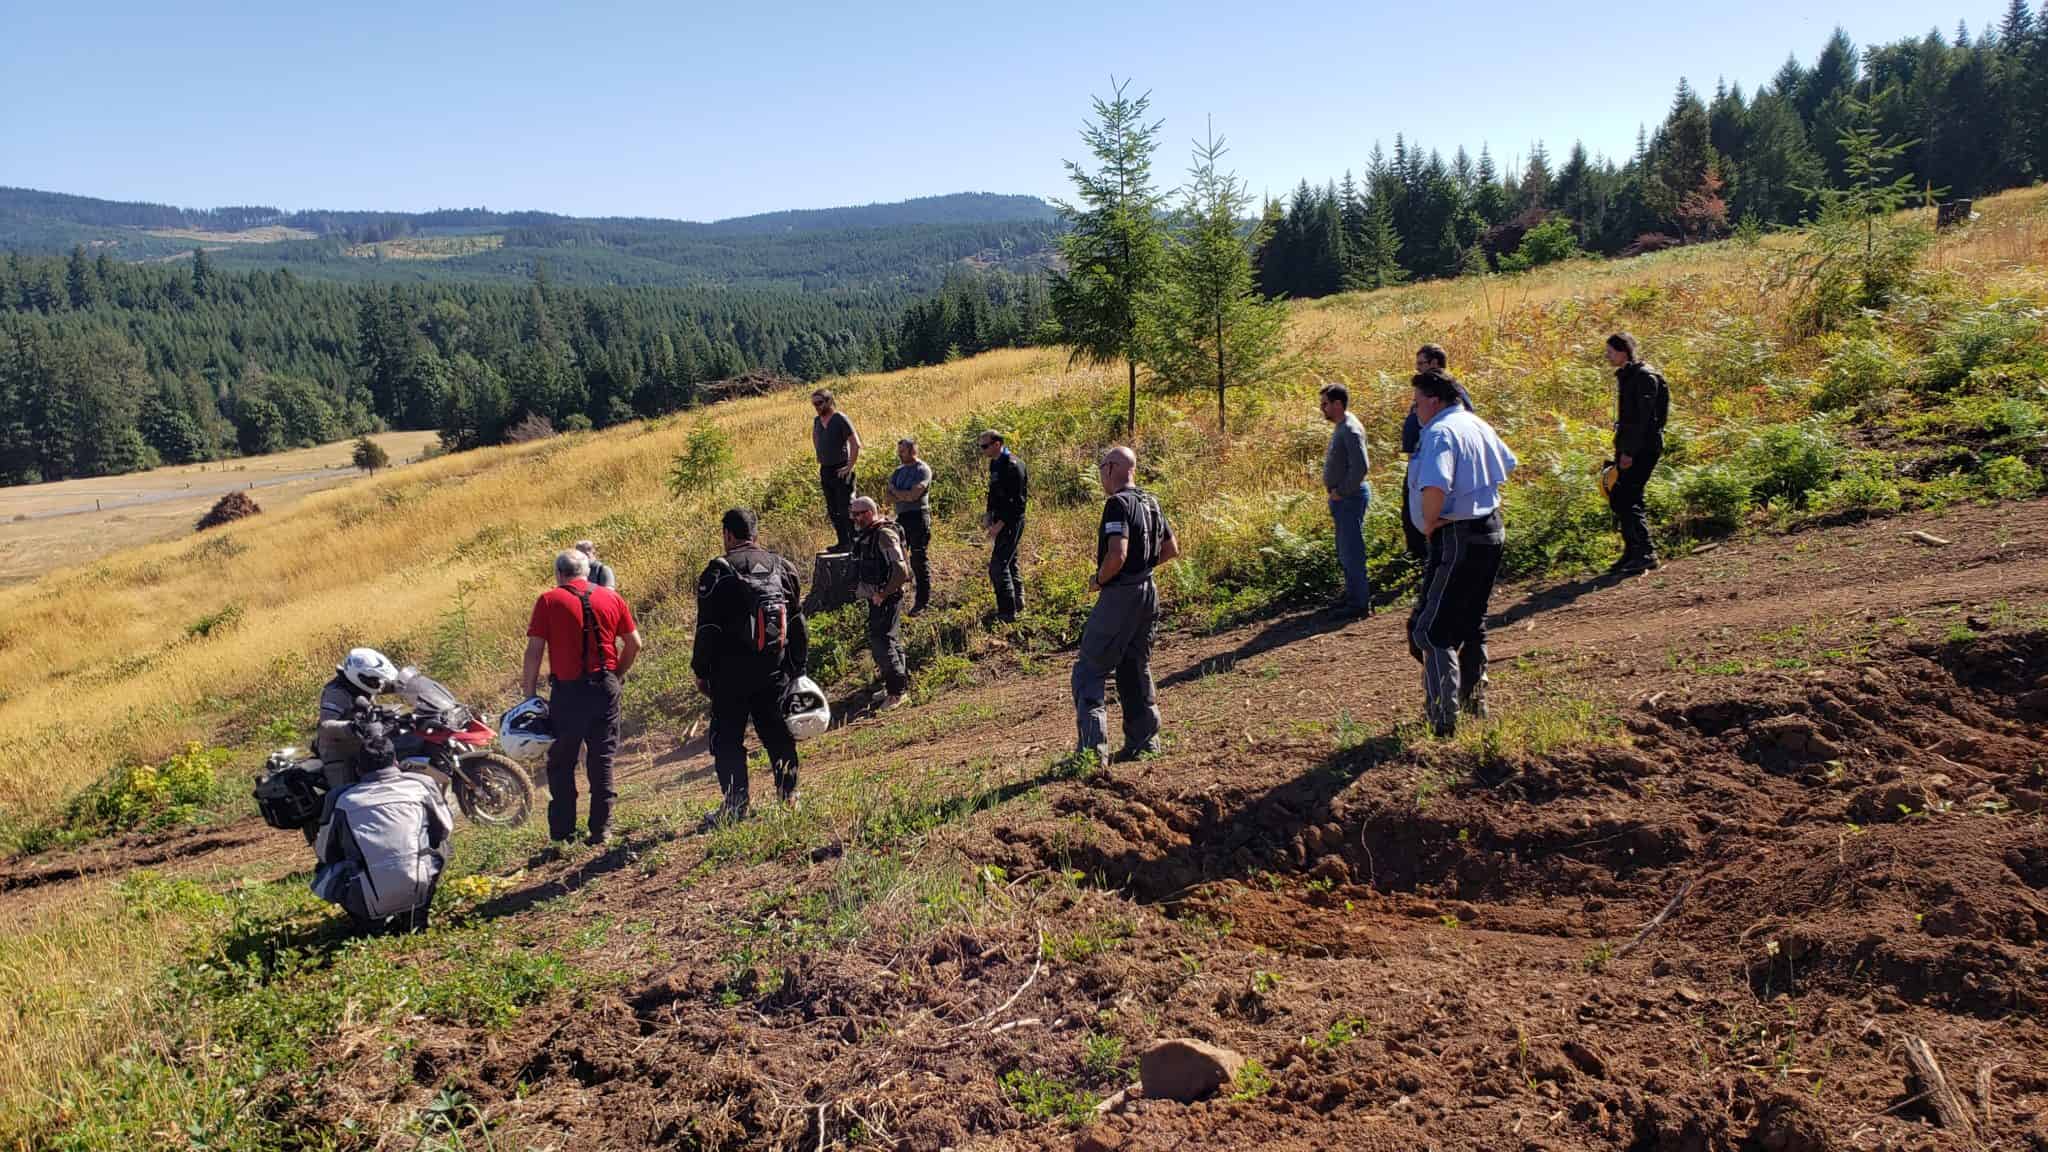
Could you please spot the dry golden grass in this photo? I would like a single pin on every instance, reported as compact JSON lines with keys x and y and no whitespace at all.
{"x":72,"y":522}
{"x":103,"y":668}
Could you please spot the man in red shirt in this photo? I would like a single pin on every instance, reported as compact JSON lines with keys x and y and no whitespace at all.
{"x":590,"y":640}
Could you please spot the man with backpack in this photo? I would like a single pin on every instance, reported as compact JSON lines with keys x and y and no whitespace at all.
{"x":1131,"y":540}
{"x":600,"y":572}
{"x":883,"y":571}
{"x":1641,"y":408}
{"x":590,"y":640}
{"x":751,"y":644}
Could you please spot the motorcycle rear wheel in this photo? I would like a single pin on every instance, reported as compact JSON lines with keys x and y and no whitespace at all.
{"x":503,"y":796}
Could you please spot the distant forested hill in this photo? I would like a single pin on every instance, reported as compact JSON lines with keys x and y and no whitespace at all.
{"x":879,"y":247}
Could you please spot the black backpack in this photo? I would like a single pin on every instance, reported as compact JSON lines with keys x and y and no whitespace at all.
{"x":761,"y":633}
{"x":593,"y":642}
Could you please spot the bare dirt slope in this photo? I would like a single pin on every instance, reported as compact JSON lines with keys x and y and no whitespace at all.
{"x":1824,"y":755}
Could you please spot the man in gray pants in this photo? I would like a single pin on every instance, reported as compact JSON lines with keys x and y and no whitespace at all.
{"x":1132,"y":539}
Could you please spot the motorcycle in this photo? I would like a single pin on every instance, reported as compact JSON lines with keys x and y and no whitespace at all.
{"x":439,"y":738}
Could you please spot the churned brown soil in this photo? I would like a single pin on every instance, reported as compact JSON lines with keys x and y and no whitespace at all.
{"x":1814,"y":765}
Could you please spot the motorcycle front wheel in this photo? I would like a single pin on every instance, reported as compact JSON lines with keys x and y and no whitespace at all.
{"x":500,"y":795}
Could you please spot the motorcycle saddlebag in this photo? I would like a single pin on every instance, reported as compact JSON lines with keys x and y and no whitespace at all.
{"x":291,"y":796}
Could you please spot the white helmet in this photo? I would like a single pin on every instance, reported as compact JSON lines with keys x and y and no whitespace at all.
{"x":369,"y":670}
{"x":806,"y":709}
{"x":525,"y":732}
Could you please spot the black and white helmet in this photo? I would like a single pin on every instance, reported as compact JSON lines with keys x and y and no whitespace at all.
{"x":525,"y":732}
{"x":369,"y":670}
{"x":808,"y":712}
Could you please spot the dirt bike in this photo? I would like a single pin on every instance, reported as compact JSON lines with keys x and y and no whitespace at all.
{"x":439,"y":738}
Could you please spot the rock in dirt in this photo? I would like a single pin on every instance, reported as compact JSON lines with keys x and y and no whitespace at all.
{"x":1885,"y":803}
{"x":1100,"y":1138}
{"x":1332,"y":869}
{"x":1186,"y":1070}
{"x":228,"y":509}
{"x":1789,"y":1123}
{"x":1585,"y":1059}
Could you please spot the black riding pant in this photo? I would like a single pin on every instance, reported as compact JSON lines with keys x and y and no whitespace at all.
{"x":1004,"y":573}
{"x":730,"y":712}
{"x":885,"y":641}
{"x":838,"y":496}
{"x":1447,"y":629}
{"x":917,"y":540}
{"x":585,"y":715}
{"x":1626,"y":499}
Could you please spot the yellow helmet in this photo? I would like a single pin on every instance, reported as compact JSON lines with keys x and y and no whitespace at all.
{"x":1609,"y":474}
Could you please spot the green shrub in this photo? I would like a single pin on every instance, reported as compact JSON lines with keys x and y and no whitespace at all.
{"x":1996,"y":418}
{"x":1712,"y":500}
{"x":791,"y":491}
{"x":2009,"y":478}
{"x":1046,"y":1099}
{"x":2003,"y":332}
{"x":1564,"y":522}
{"x":1735,"y":354}
{"x":1867,"y":489}
{"x":1788,"y":462}
{"x":151,"y":795}
{"x":1546,"y":243}
{"x":1860,"y":367}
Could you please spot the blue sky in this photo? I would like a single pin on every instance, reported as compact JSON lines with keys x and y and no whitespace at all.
{"x":703,"y":111}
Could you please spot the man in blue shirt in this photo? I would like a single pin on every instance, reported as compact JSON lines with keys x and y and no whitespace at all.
{"x":910,"y":486}
{"x":1454,"y":485}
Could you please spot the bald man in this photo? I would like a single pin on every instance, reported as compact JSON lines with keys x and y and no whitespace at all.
{"x":1132,"y":539}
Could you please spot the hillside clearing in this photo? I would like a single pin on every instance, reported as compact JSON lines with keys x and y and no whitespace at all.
{"x":73,"y":522}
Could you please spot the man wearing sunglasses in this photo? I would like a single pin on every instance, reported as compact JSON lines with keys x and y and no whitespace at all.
{"x":838,"y":449}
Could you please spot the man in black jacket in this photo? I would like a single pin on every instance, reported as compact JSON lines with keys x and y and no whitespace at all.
{"x":751,"y":643}
{"x":1642,"y":405}
{"x":1427,"y":357}
{"x":1008,"y":487}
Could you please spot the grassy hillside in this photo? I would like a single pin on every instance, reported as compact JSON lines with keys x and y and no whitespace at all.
{"x":1937,"y":401}
{"x":705,"y":985}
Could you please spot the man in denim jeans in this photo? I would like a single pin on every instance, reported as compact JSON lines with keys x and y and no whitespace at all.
{"x":1344,"y":468}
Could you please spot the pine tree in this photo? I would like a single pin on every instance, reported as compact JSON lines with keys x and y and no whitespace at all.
{"x":1535,"y":188}
{"x":1205,"y":323}
{"x":1114,"y":246}
{"x":1379,"y":262}
{"x":1351,"y":208}
{"x":80,"y":282}
{"x":202,"y":274}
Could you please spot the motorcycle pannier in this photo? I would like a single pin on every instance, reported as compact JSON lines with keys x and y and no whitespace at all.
{"x":291,"y":796}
